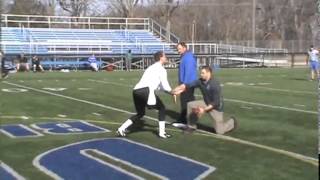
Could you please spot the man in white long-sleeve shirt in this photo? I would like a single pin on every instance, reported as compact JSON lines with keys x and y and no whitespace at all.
{"x":154,"y":78}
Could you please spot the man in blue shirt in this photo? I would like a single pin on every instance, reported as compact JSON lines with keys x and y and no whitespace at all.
{"x":187,"y":74}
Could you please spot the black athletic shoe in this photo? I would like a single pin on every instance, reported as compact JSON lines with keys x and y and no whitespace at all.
{"x":189,"y":130}
{"x":165,"y":136}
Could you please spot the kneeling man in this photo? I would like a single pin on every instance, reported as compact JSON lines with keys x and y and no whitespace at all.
{"x":212,"y":102}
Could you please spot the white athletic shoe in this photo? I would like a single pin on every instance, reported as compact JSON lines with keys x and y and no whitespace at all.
{"x":121,"y":133}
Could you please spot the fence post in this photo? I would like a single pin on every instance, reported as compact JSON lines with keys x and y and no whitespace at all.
{"x":49,"y":25}
{"x":292,"y":60}
{"x":6,"y":20}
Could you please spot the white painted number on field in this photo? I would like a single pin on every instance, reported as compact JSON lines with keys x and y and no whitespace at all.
{"x":14,"y":90}
{"x":54,"y":89}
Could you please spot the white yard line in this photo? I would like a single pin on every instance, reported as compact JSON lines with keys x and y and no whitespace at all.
{"x":282,"y":90}
{"x":271,"y":106}
{"x":112,"y":83}
{"x":230,"y":100}
{"x":287,"y":153}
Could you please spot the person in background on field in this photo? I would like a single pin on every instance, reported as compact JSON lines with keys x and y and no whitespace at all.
{"x":36,"y":64}
{"x":212,"y":102}
{"x":187,"y":74}
{"x":93,"y":63}
{"x":155,"y":77}
{"x":23,"y":63}
{"x":128,"y":60}
{"x":4,"y":71}
{"x":314,"y":62}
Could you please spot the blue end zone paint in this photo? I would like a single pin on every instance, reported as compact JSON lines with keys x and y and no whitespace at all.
{"x":67,"y":162}
{"x":6,"y":173}
{"x":18,"y":131}
{"x":75,"y":127}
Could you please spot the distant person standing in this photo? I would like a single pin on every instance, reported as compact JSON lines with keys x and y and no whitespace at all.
{"x":36,"y":64}
{"x":4,"y":71}
{"x":314,"y":62}
{"x":128,"y":60}
{"x":23,"y":63}
{"x":93,"y":63}
{"x":187,"y":74}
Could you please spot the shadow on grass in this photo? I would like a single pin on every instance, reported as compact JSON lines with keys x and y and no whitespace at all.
{"x":173,"y":115}
{"x":141,"y":126}
{"x":206,"y":128}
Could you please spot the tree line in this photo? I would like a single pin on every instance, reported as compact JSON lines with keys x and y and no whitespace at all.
{"x":271,"y":23}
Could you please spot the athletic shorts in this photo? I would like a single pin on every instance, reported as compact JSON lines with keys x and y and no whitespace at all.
{"x":314,"y":65}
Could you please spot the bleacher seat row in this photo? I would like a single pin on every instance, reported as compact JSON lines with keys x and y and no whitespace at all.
{"x":79,"y":41}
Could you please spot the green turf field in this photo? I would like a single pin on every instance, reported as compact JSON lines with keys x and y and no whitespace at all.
{"x":277,"y":112}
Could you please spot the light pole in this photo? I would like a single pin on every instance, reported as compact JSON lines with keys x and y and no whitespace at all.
{"x":254,"y":23}
{"x":193,"y":33}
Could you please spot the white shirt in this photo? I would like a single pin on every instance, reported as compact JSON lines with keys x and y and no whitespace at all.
{"x":155,"y":77}
{"x":313,"y":54}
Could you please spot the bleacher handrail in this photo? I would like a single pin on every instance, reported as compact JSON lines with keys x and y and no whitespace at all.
{"x":162,"y":32}
{"x":13,"y":20}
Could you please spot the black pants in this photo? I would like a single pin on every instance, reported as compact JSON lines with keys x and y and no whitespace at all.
{"x":3,"y":69}
{"x":185,"y":97}
{"x":140,"y":99}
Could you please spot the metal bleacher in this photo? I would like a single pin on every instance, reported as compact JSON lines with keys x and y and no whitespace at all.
{"x":80,"y":41}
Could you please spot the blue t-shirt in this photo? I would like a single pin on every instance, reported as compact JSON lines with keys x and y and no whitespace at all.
{"x":187,"y":68}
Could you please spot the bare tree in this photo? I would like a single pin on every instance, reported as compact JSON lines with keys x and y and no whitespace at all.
{"x":124,"y":8}
{"x":27,"y":7}
{"x":76,"y":8}
{"x":168,"y":11}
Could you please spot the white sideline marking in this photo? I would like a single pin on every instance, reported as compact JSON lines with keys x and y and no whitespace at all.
{"x":300,"y":105}
{"x":11,"y":171}
{"x":297,"y":156}
{"x":231,"y":100}
{"x":112,"y":83}
{"x":62,"y":115}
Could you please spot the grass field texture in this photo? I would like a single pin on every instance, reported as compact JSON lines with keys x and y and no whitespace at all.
{"x":277,"y":110}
